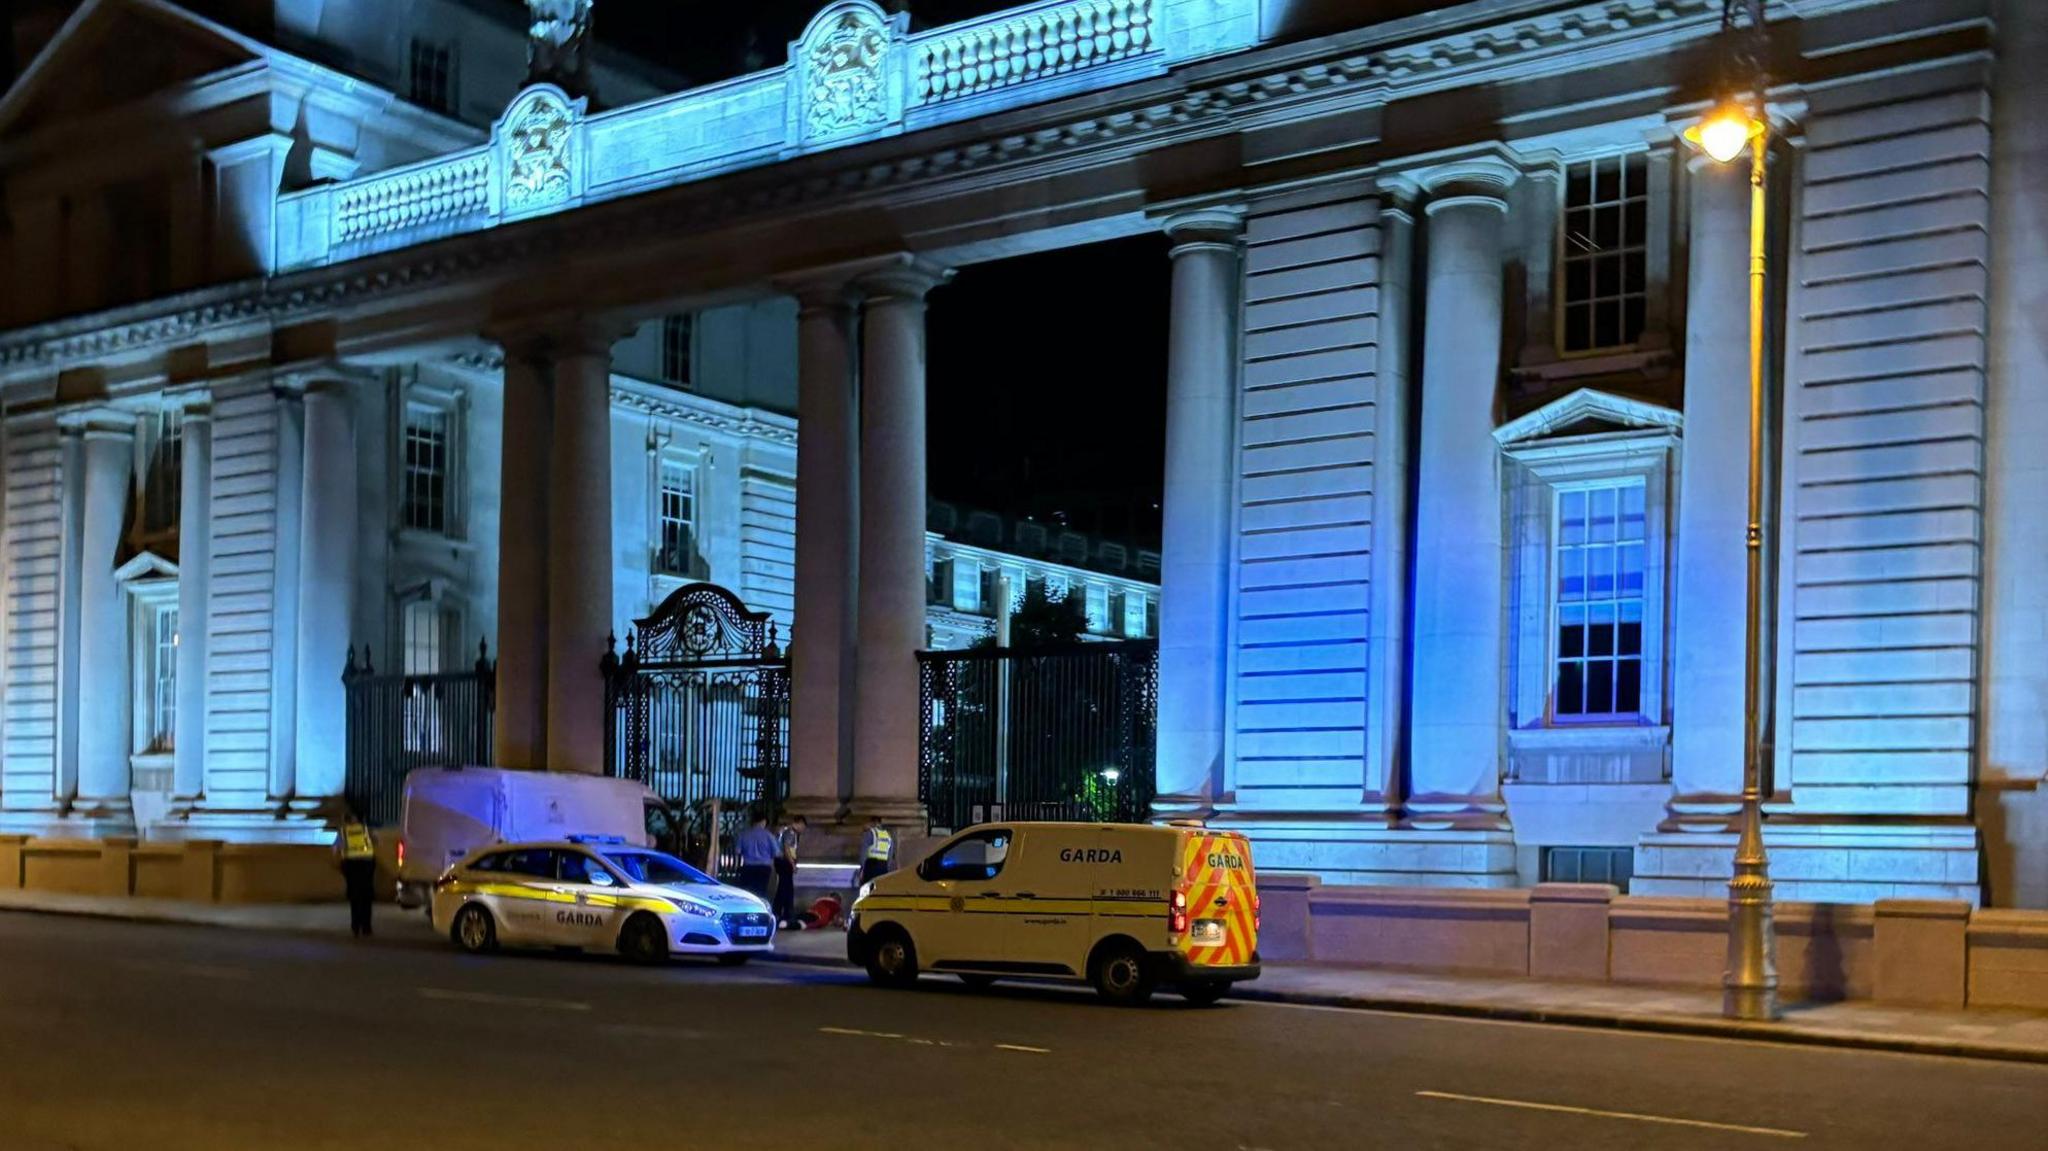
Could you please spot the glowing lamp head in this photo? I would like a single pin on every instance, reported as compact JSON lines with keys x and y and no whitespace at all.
{"x":1725,"y":131}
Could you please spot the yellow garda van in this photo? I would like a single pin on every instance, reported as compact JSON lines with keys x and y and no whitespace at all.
{"x":1124,"y":906}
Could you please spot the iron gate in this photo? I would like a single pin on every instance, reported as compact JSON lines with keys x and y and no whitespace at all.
{"x":397,"y":722}
{"x":698,"y":710}
{"x":1054,"y":733}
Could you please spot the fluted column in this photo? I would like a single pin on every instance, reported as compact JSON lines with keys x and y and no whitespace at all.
{"x":579,"y":557}
{"x":1196,"y":515}
{"x":326,"y":593}
{"x":105,"y":736}
{"x":520,"y":723}
{"x":1707,"y":588}
{"x":891,"y":610}
{"x":1459,"y":645}
{"x":195,"y":581}
{"x":827,"y":525}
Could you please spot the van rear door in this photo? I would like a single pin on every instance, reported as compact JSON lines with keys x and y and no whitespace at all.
{"x":1222,"y":898}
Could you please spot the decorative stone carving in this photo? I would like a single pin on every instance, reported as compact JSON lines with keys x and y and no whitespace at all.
{"x":847,"y":56}
{"x":558,"y":44}
{"x":537,"y":148}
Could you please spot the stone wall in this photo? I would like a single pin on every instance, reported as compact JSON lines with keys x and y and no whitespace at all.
{"x":201,"y":871}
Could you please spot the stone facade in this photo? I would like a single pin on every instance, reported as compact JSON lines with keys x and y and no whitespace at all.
{"x":1449,"y":588}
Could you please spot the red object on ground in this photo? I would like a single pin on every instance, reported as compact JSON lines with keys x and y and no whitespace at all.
{"x":822,"y":912}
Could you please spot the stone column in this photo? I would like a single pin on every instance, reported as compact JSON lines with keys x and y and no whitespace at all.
{"x":105,"y":734}
{"x":1196,"y":516}
{"x":520,"y":723}
{"x":890,"y":627}
{"x":821,"y":647}
{"x":579,"y":557}
{"x":195,"y":567}
{"x":1707,"y":588}
{"x":326,"y":593}
{"x":1459,"y":646}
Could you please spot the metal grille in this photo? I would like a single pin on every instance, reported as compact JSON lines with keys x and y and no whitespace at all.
{"x":698,"y":710}
{"x":400,"y":722}
{"x":1066,"y":733}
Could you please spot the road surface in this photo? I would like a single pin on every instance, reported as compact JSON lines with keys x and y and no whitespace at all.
{"x":125,"y":1035}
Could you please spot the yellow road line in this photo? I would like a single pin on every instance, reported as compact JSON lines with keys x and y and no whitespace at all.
{"x":1594,"y":1112}
{"x":1021,"y":1047}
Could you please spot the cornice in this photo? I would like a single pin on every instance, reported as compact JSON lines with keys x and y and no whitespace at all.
{"x":743,"y":423}
{"x":1199,"y":100}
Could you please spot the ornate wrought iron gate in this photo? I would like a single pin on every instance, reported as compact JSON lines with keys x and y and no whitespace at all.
{"x":698,"y":709}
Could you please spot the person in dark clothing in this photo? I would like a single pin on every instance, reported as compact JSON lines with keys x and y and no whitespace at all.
{"x":358,"y":873}
{"x":757,"y":848}
{"x":784,"y":904}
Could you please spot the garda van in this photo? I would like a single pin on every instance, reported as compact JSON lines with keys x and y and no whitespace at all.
{"x":1125,"y":907}
{"x":451,"y":811}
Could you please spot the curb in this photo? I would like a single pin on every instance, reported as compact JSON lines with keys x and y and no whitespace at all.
{"x":1565,"y":1017}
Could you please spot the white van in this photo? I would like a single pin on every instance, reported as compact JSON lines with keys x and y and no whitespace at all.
{"x":451,"y":811}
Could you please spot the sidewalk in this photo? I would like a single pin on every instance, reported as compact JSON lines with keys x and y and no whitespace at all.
{"x":2007,"y":1035}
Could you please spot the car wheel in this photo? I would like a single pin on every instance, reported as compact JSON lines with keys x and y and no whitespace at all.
{"x":1121,"y":974}
{"x":734,"y":960}
{"x":642,"y":939}
{"x":474,"y":930}
{"x":1204,"y":992}
{"x":892,"y":959}
{"x":978,"y":982}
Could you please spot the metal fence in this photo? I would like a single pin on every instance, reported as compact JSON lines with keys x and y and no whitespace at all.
{"x":399,"y":722}
{"x":1055,"y":733}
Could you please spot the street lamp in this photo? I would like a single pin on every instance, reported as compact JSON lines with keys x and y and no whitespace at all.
{"x":1749,"y":987}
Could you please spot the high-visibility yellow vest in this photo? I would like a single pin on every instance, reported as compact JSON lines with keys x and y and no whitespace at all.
{"x":356,"y":842}
{"x":881,"y":846}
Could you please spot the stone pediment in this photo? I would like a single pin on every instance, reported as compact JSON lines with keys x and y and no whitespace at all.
{"x":1587,"y":412}
{"x":116,"y":52}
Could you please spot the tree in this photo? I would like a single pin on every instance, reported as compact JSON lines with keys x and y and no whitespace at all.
{"x":1041,"y":621}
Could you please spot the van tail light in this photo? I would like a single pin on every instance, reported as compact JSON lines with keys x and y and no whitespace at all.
{"x":1177,"y":913}
{"x":1255,"y":913}
{"x":401,"y":853}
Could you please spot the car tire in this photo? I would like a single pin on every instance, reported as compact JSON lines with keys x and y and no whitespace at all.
{"x":978,"y":982}
{"x":642,"y":939}
{"x":892,"y":958}
{"x":1203,"y":992}
{"x":1121,"y":973}
{"x":734,"y":960}
{"x":474,"y":930}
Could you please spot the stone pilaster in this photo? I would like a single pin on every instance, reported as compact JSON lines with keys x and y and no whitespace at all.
{"x":195,"y":581}
{"x":326,"y":593}
{"x":891,"y":608}
{"x":101,"y":804}
{"x":1196,"y":516}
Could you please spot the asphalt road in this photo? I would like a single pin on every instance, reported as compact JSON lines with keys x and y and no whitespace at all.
{"x":120,"y":1036}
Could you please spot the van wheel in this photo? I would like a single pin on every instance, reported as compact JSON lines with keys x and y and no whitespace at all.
{"x":978,"y":982}
{"x":892,"y":959}
{"x":642,"y":939}
{"x":1204,"y":992}
{"x":1121,"y":973}
{"x":474,"y":931}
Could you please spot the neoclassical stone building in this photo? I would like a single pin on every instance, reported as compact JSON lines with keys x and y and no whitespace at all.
{"x":1451,"y":576}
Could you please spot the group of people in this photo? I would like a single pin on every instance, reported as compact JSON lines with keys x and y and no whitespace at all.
{"x":768,"y":867}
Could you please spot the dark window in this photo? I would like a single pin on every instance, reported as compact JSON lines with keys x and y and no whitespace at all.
{"x":939,"y":589}
{"x":495,"y":861}
{"x":1606,"y":252}
{"x":580,"y":868}
{"x":538,"y":862}
{"x":976,"y":857}
{"x":426,"y":468}
{"x":1615,"y":865}
{"x":1599,"y":658}
{"x":677,"y":334}
{"x":430,"y":76}
{"x":164,"y":477}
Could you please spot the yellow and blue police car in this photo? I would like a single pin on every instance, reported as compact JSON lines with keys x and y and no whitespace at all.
{"x":602,"y":895}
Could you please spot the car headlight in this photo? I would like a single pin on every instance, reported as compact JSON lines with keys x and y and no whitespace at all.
{"x":865,"y":888}
{"x":692,"y":907}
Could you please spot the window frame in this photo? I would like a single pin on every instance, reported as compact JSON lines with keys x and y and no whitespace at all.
{"x":1553,"y":656}
{"x":150,"y":599}
{"x":1654,"y":244}
{"x":444,"y":57}
{"x":673,"y":357}
{"x":931,"y":870}
{"x":689,"y":465}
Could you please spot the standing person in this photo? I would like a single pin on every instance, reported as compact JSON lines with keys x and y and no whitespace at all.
{"x":757,"y":848}
{"x":786,"y":842}
{"x":358,"y":872}
{"x":877,"y":850}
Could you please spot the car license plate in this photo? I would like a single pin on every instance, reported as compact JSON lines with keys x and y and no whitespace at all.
{"x":752,"y":932}
{"x":1208,"y":931}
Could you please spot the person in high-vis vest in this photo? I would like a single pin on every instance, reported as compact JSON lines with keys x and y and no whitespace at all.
{"x":877,"y":850}
{"x":359,"y":872}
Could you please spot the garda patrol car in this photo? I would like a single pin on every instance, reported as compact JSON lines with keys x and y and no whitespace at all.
{"x":600,"y":895}
{"x":1123,"y":906}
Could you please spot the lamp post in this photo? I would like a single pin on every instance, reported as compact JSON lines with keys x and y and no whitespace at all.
{"x":1749,"y":986}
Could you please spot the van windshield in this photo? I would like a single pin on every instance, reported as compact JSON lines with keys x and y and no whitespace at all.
{"x":657,"y":868}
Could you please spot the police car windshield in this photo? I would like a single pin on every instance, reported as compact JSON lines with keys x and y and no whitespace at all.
{"x":657,"y":868}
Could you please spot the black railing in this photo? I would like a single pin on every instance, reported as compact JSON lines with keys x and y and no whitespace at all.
{"x":1052,"y":733}
{"x":400,"y":722}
